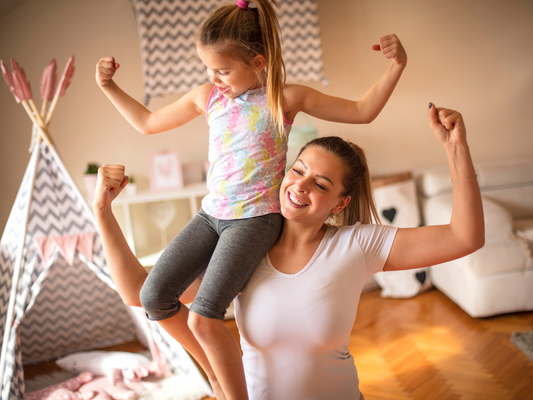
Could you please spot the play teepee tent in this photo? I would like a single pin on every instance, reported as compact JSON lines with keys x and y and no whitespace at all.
{"x":56,"y":293}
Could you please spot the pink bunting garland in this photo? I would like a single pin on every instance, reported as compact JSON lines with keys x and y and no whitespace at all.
{"x":67,"y":245}
{"x":46,"y":246}
{"x":85,"y":245}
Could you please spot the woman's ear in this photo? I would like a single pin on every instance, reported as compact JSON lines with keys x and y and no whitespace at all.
{"x":341,"y":205}
{"x":259,"y":62}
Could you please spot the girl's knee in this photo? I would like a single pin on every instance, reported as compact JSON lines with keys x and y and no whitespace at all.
{"x":148,"y":302}
{"x":158,"y":306}
{"x":203,"y":327}
{"x":196,"y":322}
{"x":206,"y":307}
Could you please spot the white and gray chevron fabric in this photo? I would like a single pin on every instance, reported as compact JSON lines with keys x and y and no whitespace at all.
{"x":59,"y":308}
{"x":167,"y":29}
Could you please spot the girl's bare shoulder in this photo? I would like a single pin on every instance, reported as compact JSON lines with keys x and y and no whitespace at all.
{"x":294,"y":97}
{"x":292,"y":90}
{"x":206,"y":88}
{"x":200,"y":95}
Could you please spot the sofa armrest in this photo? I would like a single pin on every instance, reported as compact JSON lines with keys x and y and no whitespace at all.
{"x":437,"y":210}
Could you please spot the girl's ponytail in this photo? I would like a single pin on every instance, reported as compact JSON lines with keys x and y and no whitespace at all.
{"x":275,"y":68}
{"x":242,"y":32}
{"x":356,"y":182}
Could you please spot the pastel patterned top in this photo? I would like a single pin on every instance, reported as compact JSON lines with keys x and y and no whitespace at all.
{"x":247,"y":156}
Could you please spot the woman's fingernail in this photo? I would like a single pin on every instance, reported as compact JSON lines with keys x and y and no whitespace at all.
{"x":430,"y":105}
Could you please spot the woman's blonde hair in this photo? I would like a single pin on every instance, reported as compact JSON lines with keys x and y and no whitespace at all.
{"x":356,"y":181}
{"x":243,"y":34}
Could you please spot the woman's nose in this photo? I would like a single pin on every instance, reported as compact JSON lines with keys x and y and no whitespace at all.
{"x":301,"y":186}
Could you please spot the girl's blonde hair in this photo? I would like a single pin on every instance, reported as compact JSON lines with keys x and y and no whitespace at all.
{"x":356,"y":181}
{"x":244,"y":33}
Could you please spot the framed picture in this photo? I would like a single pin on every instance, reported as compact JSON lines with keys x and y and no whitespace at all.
{"x":165,"y":171}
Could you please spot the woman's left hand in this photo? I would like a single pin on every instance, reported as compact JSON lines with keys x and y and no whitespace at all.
{"x":447,"y":125}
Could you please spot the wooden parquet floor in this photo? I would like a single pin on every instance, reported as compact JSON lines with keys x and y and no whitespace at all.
{"x":427,"y":348}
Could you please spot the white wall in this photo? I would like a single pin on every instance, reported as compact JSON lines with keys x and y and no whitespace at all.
{"x":474,"y":56}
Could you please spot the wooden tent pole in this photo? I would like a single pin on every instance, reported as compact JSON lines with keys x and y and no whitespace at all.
{"x":44,"y":106}
{"x":38,"y":116}
{"x":43,"y":132}
{"x":42,"y":124}
{"x":51,"y":109}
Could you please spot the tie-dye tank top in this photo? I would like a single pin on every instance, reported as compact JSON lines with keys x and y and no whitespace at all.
{"x":247,"y":156}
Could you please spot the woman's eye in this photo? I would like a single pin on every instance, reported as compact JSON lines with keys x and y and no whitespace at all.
{"x":320,"y":187}
{"x":222,"y":73}
{"x":296,"y":171}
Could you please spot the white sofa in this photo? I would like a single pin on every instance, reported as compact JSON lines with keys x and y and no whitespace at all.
{"x":498,"y":278}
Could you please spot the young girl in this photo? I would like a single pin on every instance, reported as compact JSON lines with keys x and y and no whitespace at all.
{"x":249,"y":109}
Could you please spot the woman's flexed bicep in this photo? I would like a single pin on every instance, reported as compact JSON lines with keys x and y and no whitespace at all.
{"x":430,"y":245}
{"x":425,"y":246}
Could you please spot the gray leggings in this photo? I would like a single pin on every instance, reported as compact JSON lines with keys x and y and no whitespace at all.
{"x":229,"y":249}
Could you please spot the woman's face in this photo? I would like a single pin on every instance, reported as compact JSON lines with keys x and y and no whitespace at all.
{"x":312,"y":189}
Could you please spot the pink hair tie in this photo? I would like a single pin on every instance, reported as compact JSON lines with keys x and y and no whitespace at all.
{"x":242,"y":4}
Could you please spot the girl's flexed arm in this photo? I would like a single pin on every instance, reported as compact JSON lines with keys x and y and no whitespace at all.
{"x":303,"y":99}
{"x":430,"y":245}
{"x":172,"y":116}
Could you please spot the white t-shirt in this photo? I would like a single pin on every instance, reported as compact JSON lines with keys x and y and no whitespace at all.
{"x":295,"y":328}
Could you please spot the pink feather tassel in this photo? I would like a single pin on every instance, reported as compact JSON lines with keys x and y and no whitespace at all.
{"x":19,"y":78}
{"x":65,"y":79}
{"x":6,"y":74}
{"x":49,"y":81}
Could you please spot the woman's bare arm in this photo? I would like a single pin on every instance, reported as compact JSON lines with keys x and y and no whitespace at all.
{"x":430,"y":245}
{"x":127,"y":272}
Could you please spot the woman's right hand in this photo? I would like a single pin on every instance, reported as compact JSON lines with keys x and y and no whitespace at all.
{"x":105,"y":69}
{"x":111,"y":181}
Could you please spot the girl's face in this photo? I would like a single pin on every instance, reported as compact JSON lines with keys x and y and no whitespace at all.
{"x":232,"y":77}
{"x":312,"y":188}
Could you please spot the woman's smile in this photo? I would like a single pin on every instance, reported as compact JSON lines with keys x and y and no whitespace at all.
{"x":295,"y":200}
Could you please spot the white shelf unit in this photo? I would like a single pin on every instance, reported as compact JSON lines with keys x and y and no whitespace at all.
{"x":191,"y":192}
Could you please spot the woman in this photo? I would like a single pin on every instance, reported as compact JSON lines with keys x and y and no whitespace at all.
{"x":296,"y":312}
